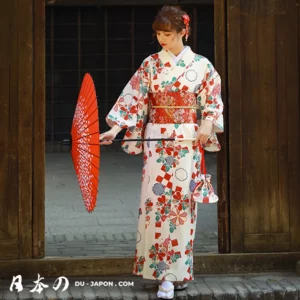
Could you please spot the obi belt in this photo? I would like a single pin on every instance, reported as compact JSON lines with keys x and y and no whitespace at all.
{"x":172,"y":107}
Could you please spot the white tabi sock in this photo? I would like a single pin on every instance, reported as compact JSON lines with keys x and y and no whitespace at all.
{"x":166,"y":290}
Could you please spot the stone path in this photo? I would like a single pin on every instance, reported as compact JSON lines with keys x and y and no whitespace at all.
{"x":242,"y":286}
{"x":110,"y":230}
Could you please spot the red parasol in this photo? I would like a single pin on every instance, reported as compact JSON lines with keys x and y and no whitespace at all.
{"x":85,"y":143}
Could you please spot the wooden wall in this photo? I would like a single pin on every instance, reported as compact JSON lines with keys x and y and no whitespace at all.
{"x":22,"y":102}
{"x":263,"y":125}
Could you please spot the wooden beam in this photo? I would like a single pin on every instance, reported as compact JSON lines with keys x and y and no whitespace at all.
{"x":235,"y":133}
{"x":9,"y":249}
{"x":24,"y":15}
{"x":39,"y":102}
{"x":124,"y":2}
{"x":13,"y":207}
{"x":293,"y":122}
{"x":220,"y":21}
{"x":203,"y":264}
{"x":4,"y":117}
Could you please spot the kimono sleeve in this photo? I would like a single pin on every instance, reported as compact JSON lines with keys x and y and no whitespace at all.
{"x":209,"y":98}
{"x":124,"y":113}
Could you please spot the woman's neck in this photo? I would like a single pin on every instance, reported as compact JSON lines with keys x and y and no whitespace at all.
{"x":177,"y":50}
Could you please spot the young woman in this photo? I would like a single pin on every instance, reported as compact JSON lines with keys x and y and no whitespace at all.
{"x":160,"y":102}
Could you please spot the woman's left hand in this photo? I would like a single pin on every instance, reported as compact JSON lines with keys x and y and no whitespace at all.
{"x":204,"y":131}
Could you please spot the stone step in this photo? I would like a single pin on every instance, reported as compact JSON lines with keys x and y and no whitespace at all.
{"x":236,"y":286}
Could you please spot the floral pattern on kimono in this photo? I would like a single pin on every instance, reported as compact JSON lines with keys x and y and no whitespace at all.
{"x":167,"y":214}
{"x":210,"y":102}
{"x":131,"y":109}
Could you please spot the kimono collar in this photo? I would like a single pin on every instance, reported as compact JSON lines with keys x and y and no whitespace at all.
{"x":177,"y":58}
{"x":167,"y":58}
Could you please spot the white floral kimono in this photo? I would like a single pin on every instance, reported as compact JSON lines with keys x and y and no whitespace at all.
{"x":167,"y":211}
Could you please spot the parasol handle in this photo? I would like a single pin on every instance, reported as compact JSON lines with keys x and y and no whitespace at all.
{"x":150,"y":140}
{"x":68,"y":141}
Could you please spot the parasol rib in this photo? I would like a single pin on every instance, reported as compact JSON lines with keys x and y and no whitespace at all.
{"x":77,"y":147}
{"x":84,"y":128}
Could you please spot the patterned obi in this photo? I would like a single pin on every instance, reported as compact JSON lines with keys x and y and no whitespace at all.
{"x":172,"y":107}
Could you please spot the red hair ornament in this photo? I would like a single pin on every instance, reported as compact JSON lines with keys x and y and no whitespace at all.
{"x":186,"y":21}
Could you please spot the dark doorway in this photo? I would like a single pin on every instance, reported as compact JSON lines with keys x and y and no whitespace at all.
{"x":109,"y":43}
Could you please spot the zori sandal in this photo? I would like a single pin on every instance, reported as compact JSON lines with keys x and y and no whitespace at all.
{"x":179,"y":287}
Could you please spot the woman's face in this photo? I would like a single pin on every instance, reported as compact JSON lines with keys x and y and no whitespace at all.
{"x":169,"y":39}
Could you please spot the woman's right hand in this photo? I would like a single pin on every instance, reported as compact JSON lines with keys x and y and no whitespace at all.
{"x":109,"y":135}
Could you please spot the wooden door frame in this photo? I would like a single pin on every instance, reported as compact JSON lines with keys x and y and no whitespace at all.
{"x":39,"y":130}
{"x":220,"y":30}
{"x":125,"y":3}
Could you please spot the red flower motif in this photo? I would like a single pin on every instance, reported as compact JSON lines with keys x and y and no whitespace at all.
{"x":176,"y":153}
{"x":189,"y":248}
{"x":156,"y":254}
{"x":177,"y":217}
{"x":121,"y":103}
{"x":139,"y":124}
{"x":169,"y":150}
{"x":171,"y":252}
{"x":138,"y":261}
{"x":162,"y":202}
{"x":135,"y":82}
{"x":166,"y":148}
{"x":149,"y":204}
{"x":133,"y":110}
{"x":188,"y":251}
{"x":216,"y":91}
{"x":177,"y":195}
